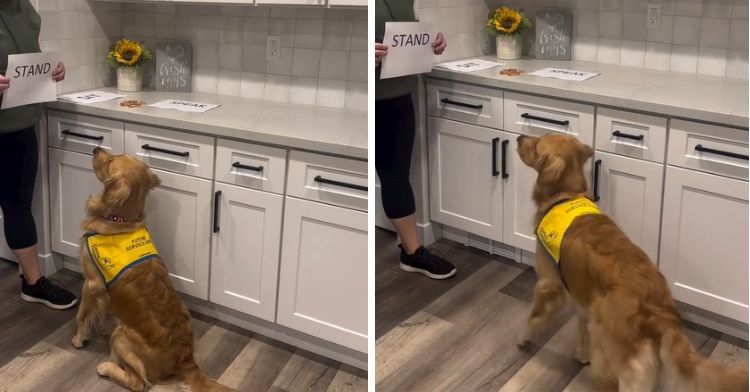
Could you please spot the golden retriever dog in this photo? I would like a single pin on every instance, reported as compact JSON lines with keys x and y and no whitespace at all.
{"x":629,"y":326}
{"x":153,"y":339}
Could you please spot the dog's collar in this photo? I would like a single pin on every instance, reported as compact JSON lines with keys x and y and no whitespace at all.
{"x":115,"y":218}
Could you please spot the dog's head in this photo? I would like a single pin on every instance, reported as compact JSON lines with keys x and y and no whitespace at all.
{"x":558,"y":160}
{"x":127,"y":182}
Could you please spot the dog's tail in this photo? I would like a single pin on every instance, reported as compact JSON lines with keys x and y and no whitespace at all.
{"x":686,"y":370}
{"x":198,"y":382}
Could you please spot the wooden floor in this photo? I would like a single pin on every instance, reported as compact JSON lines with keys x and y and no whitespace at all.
{"x":36,"y":354}
{"x":459,"y":334}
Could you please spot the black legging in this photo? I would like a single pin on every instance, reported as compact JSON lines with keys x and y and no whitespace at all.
{"x":394,"y":139}
{"x":18,"y":160}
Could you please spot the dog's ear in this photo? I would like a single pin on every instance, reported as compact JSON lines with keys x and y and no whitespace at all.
{"x":116,"y":191}
{"x":551,"y":167}
{"x":586,"y":152}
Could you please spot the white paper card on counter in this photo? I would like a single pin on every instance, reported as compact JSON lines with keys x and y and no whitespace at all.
{"x":30,"y":77}
{"x":409,"y":49}
{"x":185,"y":106}
{"x":91,"y":97}
{"x":564,"y":74}
{"x":470,"y":65}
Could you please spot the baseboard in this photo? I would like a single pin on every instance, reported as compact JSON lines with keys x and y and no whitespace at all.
{"x":429,"y":232}
{"x":274,"y":331}
{"x":50,"y":264}
{"x":714,"y":321}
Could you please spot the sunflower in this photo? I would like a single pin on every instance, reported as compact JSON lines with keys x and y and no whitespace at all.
{"x":127,"y":53}
{"x":507,"y":21}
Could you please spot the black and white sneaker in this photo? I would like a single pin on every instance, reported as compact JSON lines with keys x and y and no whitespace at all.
{"x":48,"y":292}
{"x":428,"y":263}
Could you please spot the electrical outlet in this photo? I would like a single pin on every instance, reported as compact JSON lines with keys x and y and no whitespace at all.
{"x":653,"y":16}
{"x":273,"y":49}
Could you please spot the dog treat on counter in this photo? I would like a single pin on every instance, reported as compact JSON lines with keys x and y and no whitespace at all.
{"x":131,"y":103}
{"x":512,"y":72}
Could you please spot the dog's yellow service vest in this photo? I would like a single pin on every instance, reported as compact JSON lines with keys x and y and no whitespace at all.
{"x":555,"y":223}
{"x":114,"y":254}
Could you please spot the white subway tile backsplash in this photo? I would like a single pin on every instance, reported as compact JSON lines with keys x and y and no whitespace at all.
{"x":208,"y":28}
{"x":205,"y":80}
{"x":610,"y":25}
{"x":50,"y":29}
{"x":587,"y":24}
{"x":308,"y":33}
{"x":230,"y":57}
{"x":334,"y":64}
{"x":359,"y":37}
{"x":358,"y":66}
{"x":304,"y":90}
{"x":254,"y":58}
{"x":282,"y":66}
{"x":337,"y":35}
{"x":67,"y":23}
{"x":610,"y":5}
{"x":232,"y":29}
{"x":283,"y":28}
{"x":637,"y":6}
{"x":257,"y":12}
{"x":633,"y":53}
{"x":206,"y":56}
{"x":662,"y":34}
{"x":633,"y":26}
{"x":229,"y":83}
{"x":740,"y":9}
{"x":283,"y":12}
{"x":306,"y":62}
{"x":277,"y":88}
{"x":585,"y":48}
{"x":331,"y":93}
{"x":253,"y":85}
{"x":688,"y":7}
{"x":687,"y":30}
{"x":717,"y":8}
{"x":588,"y":5}
{"x":714,"y":33}
{"x":309,"y":13}
{"x":356,"y":96}
{"x":658,"y":56}
{"x":712,"y":61}
{"x":736,"y":65}
{"x":684,"y":59}
{"x":738,"y":31}
{"x":255,"y":31}
{"x":609,"y":51}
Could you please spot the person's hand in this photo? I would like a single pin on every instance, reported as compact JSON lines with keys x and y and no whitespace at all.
{"x":380,"y":52}
{"x":4,"y":84}
{"x":438,"y":47}
{"x":59,"y":73}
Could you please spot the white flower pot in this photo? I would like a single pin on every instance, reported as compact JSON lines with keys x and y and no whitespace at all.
{"x":509,"y":47}
{"x":129,"y":78}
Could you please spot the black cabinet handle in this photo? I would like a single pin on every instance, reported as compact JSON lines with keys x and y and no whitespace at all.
{"x":700,"y":148}
{"x":339,"y":183}
{"x":464,"y":104}
{"x":253,"y":168}
{"x":83,"y":135}
{"x":547,"y":120}
{"x":597,"y":169}
{"x":495,"y":173}
{"x":627,"y":135}
{"x":505,"y":158}
{"x":217,"y":204}
{"x":183,"y":154}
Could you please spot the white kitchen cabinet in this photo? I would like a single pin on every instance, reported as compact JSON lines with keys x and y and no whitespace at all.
{"x":630,"y":193}
{"x":178,"y":216}
{"x":704,"y":253}
{"x":519,"y":209}
{"x":292,"y":2}
{"x":466,"y":180}
{"x":323,"y":276}
{"x":72,"y":181}
{"x":245,"y":251}
{"x":358,"y":3}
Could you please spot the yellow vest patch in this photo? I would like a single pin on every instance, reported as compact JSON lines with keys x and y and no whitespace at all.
{"x":114,"y":254}
{"x":555,"y":223}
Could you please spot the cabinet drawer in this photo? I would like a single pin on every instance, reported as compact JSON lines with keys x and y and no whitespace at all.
{"x":251,"y":165}
{"x":463,"y":102}
{"x":631,"y":134}
{"x":76,"y":132}
{"x":332,"y":180}
{"x":531,"y":115}
{"x":180,"y":152}
{"x":709,"y":148}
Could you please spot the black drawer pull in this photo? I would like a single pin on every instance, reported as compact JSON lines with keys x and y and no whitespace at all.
{"x":700,"y":148}
{"x":83,"y":135}
{"x":464,"y":104}
{"x":495,"y":172}
{"x":597,"y":169}
{"x":217,"y":204}
{"x":253,"y":168}
{"x":505,"y":158}
{"x":339,"y":183}
{"x":547,"y":120}
{"x":627,"y":135}
{"x":183,"y":154}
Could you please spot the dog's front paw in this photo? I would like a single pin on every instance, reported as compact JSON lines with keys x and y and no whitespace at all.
{"x":582,"y":355}
{"x":79,"y":342}
{"x":523,"y":340}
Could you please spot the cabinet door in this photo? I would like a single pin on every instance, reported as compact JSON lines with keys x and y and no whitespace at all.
{"x":519,"y":208}
{"x":704,"y":241}
{"x":465,"y":183}
{"x":630,"y":193}
{"x":178,"y":216}
{"x":323,"y":278}
{"x":72,"y":181}
{"x":245,"y":251}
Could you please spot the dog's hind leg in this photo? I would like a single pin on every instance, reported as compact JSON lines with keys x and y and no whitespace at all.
{"x":132,"y":373}
{"x":582,"y":351}
{"x":640,"y":373}
{"x":92,"y":311}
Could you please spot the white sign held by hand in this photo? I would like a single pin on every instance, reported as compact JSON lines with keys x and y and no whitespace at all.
{"x":409,"y":49}
{"x":30,"y":77}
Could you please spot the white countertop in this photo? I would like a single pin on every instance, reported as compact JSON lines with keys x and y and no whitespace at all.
{"x":679,"y":95}
{"x":306,"y":127}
